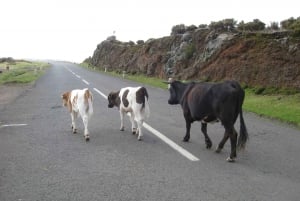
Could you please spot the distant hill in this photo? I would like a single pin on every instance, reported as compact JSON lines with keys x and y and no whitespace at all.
{"x":254,"y":58}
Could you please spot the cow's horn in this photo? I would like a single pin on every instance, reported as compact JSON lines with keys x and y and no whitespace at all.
{"x":170,"y":80}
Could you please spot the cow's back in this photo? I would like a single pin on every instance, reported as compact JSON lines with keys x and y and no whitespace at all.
{"x":197,"y":100}
{"x":227,"y":99}
{"x":82,"y":101}
{"x":206,"y":99}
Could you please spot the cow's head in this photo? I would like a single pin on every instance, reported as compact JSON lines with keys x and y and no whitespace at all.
{"x":66,"y":98}
{"x":172,"y":86}
{"x":113,"y":99}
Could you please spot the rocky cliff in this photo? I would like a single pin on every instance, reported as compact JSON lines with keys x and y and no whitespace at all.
{"x":265,"y":59}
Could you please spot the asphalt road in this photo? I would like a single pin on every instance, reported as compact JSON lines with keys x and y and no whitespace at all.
{"x":40,"y":158}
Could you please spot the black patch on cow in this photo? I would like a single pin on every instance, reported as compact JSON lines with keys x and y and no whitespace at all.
{"x":140,"y":95}
{"x":124,"y":98}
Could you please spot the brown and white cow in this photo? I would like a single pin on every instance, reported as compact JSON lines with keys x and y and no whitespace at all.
{"x":79,"y":101}
{"x":132,"y":100}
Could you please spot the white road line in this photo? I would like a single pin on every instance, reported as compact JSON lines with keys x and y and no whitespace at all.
{"x":12,"y":125}
{"x":77,"y":76}
{"x":161,"y":136}
{"x":99,"y":92}
{"x":86,"y":82}
{"x":172,"y":144}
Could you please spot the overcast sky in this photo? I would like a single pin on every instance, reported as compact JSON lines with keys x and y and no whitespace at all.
{"x":71,"y":29}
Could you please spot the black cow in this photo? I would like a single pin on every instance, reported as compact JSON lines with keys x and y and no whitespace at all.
{"x":211,"y":102}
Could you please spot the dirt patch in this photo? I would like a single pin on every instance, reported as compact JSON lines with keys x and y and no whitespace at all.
{"x":8,"y":93}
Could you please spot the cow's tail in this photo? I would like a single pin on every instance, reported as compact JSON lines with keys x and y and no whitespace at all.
{"x":243,"y":137}
{"x":88,"y":101}
{"x":145,"y":105}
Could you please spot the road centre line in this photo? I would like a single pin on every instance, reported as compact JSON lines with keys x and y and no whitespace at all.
{"x":155,"y":132}
{"x":161,"y":136}
{"x":99,"y":92}
{"x":86,"y":82}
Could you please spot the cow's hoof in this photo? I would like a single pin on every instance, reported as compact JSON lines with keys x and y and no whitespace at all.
{"x":230,"y":160}
{"x":134,"y":131}
{"x":218,"y":150}
{"x":122,"y":129}
{"x":87,"y":138}
{"x":74,"y":131}
{"x":208,"y":145}
{"x":140,"y":139}
{"x":186,"y":139}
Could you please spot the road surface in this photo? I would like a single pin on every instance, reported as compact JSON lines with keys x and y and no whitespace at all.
{"x":40,"y":158}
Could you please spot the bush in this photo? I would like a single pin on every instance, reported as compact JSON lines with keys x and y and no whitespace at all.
{"x":255,"y":25}
{"x":178,"y":29}
{"x":189,"y":51}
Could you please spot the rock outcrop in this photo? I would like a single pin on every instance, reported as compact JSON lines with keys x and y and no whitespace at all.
{"x":266,"y":59}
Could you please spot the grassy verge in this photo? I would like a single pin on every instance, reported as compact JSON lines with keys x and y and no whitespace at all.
{"x":21,"y":71}
{"x":282,"y":107}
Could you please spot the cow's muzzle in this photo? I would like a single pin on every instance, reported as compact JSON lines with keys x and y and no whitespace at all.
{"x":171,"y":102}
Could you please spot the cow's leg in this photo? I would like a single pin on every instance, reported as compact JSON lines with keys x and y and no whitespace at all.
{"x":133,"y":127}
{"x":139,"y":129}
{"x":85,"y":119}
{"x":73,"y":118}
{"x":207,"y":139}
{"x":188,"y":128}
{"x":222,"y":143}
{"x":122,"y":120}
{"x":233,"y":140}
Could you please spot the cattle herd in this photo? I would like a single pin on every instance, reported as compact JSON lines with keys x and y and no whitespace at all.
{"x":204,"y":102}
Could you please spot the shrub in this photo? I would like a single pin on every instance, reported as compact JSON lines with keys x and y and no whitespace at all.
{"x":178,"y":29}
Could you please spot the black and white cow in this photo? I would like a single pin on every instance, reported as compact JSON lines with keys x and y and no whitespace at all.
{"x":132,"y":100}
{"x":211,"y":102}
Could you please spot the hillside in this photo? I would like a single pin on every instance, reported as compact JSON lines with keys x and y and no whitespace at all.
{"x":264,"y":59}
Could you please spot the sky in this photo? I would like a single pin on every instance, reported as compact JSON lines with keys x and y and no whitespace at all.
{"x":70,"y":30}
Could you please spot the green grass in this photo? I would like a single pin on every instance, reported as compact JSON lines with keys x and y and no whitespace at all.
{"x":283,"y":107}
{"x":21,"y":72}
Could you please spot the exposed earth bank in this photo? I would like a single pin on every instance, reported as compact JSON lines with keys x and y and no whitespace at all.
{"x":257,"y":59}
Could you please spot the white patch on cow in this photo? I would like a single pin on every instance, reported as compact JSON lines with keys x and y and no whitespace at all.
{"x":82,"y":105}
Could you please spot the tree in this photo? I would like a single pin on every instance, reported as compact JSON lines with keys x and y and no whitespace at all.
{"x":223,"y":25}
{"x":255,"y":25}
{"x":178,"y":29}
{"x":286,"y":24}
{"x":274,"y":26}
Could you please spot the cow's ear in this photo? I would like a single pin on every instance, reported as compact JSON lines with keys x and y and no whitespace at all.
{"x":65,"y":95}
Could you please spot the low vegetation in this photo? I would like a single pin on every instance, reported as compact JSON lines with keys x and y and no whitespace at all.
{"x":280,"y":104}
{"x":20,"y":71}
